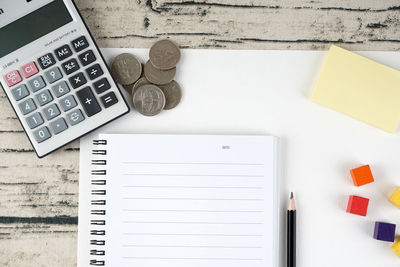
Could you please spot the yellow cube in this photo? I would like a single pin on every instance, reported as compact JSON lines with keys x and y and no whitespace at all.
{"x":395,"y":197}
{"x":396,"y":247}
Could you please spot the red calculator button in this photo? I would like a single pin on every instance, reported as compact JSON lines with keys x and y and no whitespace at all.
{"x":12,"y":78}
{"x":29,"y":69}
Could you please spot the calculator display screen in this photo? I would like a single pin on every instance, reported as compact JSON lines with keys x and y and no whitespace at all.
{"x":33,"y":26}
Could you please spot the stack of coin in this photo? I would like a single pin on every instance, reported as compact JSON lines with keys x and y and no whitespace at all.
{"x":151,"y":86}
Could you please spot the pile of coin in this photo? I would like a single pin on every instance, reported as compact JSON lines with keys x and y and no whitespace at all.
{"x":152,"y":85}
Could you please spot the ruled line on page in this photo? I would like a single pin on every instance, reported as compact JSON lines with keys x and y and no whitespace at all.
{"x":188,"y":234}
{"x":189,"y":246}
{"x":233,"y":211}
{"x":194,"y":187}
{"x":193,"y":175}
{"x":208,"y":259}
{"x":205,"y":199}
{"x":194,"y":163}
{"x":180,"y":222}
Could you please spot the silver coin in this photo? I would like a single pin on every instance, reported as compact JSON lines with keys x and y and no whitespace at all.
{"x":173,"y":94}
{"x":149,"y":100}
{"x":126,"y":69}
{"x":157,"y":76}
{"x":132,"y":87}
{"x":164,"y":55}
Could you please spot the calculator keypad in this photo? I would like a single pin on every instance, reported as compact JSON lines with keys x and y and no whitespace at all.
{"x":88,"y":101}
{"x":70,"y":66}
{"x":20,"y":92}
{"x":63,"y":52}
{"x":58,"y":126}
{"x":53,"y":75}
{"x":36,"y":83}
{"x":60,"y":89}
{"x":42,"y":134}
{"x":87,"y":57}
{"x":34,"y":120}
{"x":54,"y":99}
{"x":78,"y":80}
{"x":51,"y":112}
{"x":29,"y":69}
{"x":80,"y":43}
{"x":46,"y":61}
{"x":27,"y":106}
{"x":94,"y":72}
{"x":44,"y":97}
{"x":75,"y":117}
{"x":68,"y":103}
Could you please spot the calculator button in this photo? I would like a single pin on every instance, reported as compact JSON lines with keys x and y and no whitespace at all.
{"x":53,"y":75}
{"x":87,"y":57}
{"x":88,"y":101}
{"x":44,"y":97}
{"x":109,"y":99}
{"x":80,"y":43}
{"x":68,"y":103}
{"x":37,"y":83}
{"x":77,"y":80}
{"x":94,"y":71}
{"x":60,"y":89}
{"x":20,"y":92}
{"x":63,"y":52}
{"x":101,"y":85}
{"x":75,"y":117}
{"x":29,"y":69}
{"x":42,"y":134}
{"x":70,"y":66}
{"x":12,"y":78}
{"x":46,"y":61}
{"x":27,"y":106}
{"x":51,"y":112}
{"x":58,"y":126}
{"x":35,"y":120}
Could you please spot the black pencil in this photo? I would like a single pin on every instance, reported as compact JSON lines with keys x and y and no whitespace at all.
{"x":291,"y":233}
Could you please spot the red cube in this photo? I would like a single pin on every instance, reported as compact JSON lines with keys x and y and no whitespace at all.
{"x":358,"y":205}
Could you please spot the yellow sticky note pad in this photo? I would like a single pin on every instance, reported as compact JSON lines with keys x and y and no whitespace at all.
{"x":359,"y":87}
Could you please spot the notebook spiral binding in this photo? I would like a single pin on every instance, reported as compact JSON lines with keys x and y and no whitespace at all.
{"x":98,"y":205}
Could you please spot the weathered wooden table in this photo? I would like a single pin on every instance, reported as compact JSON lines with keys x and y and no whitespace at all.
{"x":39,"y":198}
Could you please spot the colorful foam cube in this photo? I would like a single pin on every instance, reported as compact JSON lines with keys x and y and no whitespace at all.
{"x":396,"y":247}
{"x":362,"y":175}
{"x":384,"y":231}
{"x":357,"y":205}
{"x":395,"y":197}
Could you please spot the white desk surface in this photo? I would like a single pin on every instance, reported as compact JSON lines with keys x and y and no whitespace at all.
{"x":266,"y":92}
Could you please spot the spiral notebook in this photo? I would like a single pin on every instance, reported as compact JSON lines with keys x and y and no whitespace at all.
{"x":178,"y":200}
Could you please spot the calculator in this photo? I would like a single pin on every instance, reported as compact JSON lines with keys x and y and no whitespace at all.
{"x":53,"y":73}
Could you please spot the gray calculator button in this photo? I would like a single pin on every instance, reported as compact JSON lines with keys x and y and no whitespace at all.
{"x":68,"y":103}
{"x":37,"y":83}
{"x":20,"y":92}
{"x":58,"y":126}
{"x":60,"y":89}
{"x":44,"y":97}
{"x":51,"y":111}
{"x":53,"y":75}
{"x":42,"y":134}
{"x":27,"y":106}
{"x":35,"y":120}
{"x":75,"y":117}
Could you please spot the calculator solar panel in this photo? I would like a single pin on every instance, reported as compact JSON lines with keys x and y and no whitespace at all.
{"x":54,"y":74}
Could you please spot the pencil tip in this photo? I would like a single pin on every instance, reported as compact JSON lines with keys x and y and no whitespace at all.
{"x":291,"y":194}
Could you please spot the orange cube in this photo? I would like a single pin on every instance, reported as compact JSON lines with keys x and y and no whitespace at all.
{"x":362,"y":175}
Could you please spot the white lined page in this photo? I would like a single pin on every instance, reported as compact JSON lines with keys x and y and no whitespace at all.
{"x":187,"y":200}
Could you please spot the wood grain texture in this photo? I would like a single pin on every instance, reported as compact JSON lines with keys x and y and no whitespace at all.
{"x":39,"y":197}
